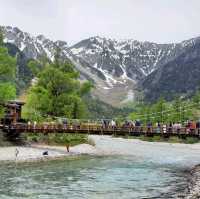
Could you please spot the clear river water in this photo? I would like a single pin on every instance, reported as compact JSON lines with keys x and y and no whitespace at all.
{"x":109,"y":177}
{"x":126,"y":169}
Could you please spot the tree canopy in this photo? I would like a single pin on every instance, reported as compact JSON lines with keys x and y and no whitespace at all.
{"x":178,"y":110}
{"x":7,"y":73}
{"x":57,"y":93}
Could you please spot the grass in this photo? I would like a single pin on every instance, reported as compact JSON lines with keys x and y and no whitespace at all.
{"x":191,"y":140}
{"x":57,"y":139}
{"x":171,"y":139}
{"x":4,"y":142}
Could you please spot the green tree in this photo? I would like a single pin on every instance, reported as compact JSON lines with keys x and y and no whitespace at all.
{"x":58,"y":93}
{"x":35,"y":67}
{"x":159,"y":111}
{"x":196,"y":100}
{"x":1,"y":37}
{"x":181,"y":110}
{"x":7,"y":74}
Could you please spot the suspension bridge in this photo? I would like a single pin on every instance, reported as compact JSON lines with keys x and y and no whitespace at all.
{"x":13,"y":125}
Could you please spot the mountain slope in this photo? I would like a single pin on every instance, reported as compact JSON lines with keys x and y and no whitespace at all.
{"x":124,"y":64}
{"x":115,"y":67}
{"x":23,"y":73}
{"x":180,"y":76}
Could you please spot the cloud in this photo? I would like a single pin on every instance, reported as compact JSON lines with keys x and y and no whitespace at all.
{"x":152,"y":20}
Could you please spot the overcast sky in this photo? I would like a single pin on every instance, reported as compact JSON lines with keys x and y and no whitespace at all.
{"x":162,"y":21}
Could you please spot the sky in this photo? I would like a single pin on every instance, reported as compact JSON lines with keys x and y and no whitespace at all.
{"x":160,"y":21}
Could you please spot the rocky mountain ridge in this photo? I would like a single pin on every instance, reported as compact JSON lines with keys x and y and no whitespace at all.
{"x":115,"y":67}
{"x":179,"y":76}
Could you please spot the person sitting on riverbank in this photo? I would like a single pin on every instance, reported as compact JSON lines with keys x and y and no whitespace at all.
{"x":45,"y":153}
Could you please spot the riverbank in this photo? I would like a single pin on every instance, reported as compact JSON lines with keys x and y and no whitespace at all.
{"x":186,"y":154}
{"x":182,"y":156}
{"x":170,"y":139}
{"x":35,"y":152}
{"x":193,"y":188}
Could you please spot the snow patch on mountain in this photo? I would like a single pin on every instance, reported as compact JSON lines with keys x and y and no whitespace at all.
{"x":115,"y":66}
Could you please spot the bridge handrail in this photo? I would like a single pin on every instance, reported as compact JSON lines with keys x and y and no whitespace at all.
{"x":83,"y":127}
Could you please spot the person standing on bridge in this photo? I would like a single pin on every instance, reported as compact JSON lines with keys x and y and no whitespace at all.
{"x":65,"y":123}
{"x":198,"y":127}
{"x":34,"y":124}
{"x":170,"y":127}
{"x":192,"y":127}
{"x":179,"y":127}
{"x":164,"y":128}
{"x":149,"y":127}
{"x":158,"y":127}
{"x":137,"y":126}
{"x":113,"y":124}
{"x":29,"y":125}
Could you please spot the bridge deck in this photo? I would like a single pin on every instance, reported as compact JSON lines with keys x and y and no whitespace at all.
{"x":99,"y":130}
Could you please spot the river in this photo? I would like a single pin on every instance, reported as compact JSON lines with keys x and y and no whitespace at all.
{"x":133,"y":169}
{"x":91,"y":177}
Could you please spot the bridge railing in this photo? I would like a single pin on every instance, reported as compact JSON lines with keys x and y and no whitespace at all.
{"x":99,"y":129}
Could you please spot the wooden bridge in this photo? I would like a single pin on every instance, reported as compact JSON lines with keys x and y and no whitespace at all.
{"x":12,"y":125}
{"x":98,"y":129}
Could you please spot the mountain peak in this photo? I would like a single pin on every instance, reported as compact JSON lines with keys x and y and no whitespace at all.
{"x":115,"y":66}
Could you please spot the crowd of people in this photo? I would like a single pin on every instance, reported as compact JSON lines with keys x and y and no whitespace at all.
{"x":158,"y":127}
{"x":189,"y":126}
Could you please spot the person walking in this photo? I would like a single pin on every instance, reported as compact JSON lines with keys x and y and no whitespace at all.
{"x":16,"y":153}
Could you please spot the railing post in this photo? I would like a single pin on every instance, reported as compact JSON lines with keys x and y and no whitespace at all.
{"x":88,"y":127}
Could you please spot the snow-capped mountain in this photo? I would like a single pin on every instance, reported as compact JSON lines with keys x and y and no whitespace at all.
{"x":32,"y":47}
{"x":128,"y":59}
{"x":114,"y":66}
{"x":124,"y":64}
{"x":177,"y":77}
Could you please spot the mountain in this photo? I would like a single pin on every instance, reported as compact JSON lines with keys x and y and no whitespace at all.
{"x":122,"y":64}
{"x":116,"y":67}
{"x":181,"y":76}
